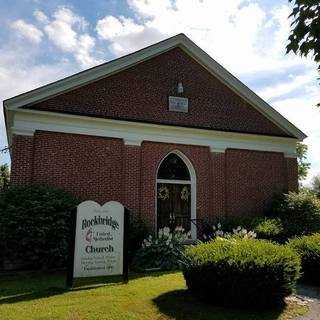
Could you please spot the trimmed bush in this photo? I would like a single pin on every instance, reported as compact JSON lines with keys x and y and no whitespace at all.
{"x":35,"y":226}
{"x":308,"y":247}
{"x":241,"y":272}
{"x":298,"y":212}
{"x":269,"y":229}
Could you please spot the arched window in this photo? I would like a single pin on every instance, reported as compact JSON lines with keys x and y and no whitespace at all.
{"x":173,"y":168}
{"x":176,"y":193}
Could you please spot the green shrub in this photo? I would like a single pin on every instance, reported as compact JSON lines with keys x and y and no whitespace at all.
{"x":308,"y":247}
{"x":35,"y":226}
{"x":241,"y":272}
{"x":137,"y":233}
{"x":298,"y":212}
{"x":256,"y":227}
{"x":163,"y":252}
{"x":269,"y":229}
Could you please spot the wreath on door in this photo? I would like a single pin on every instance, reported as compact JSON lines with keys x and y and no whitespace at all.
{"x":163,"y":193}
{"x":185,"y":194}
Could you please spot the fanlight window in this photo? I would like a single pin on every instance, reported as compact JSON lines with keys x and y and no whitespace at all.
{"x":173,"y":168}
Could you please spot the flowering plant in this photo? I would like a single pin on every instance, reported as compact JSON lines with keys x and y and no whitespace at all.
{"x":238,"y":232}
{"x":162,"y":252}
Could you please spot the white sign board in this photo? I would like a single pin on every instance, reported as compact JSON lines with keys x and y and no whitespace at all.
{"x":178,"y":104}
{"x":99,"y":237}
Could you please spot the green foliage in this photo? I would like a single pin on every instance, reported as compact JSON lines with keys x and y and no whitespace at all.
{"x":35,"y":225}
{"x":298,"y":212}
{"x":304,"y":38}
{"x":269,"y":229}
{"x":308,"y":247}
{"x":315,"y":186}
{"x":241,"y":272}
{"x":163,"y":252}
{"x":303,"y":164}
{"x":138,"y":232}
{"x":260,"y":227}
{"x":4,"y":176}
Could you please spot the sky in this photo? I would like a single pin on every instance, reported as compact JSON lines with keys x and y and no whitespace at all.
{"x":43,"y":41}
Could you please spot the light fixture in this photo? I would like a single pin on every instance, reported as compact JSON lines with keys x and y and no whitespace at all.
{"x":180,"y":87}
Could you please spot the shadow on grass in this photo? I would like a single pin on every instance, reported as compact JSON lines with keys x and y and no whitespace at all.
{"x":181,"y":305}
{"x":30,"y":286}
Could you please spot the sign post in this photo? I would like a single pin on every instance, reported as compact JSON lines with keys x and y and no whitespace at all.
{"x":99,"y":244}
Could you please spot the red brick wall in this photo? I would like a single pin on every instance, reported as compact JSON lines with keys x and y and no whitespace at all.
{"x":132,"y":177}
{"x":292,"y":171}
{"x":87,"y":166}
{"x":236,"y":183}
{"x":252,"y":178}
{"x":140,"y":93}
{"x":218,"y":184}
{"x":22,"y":159}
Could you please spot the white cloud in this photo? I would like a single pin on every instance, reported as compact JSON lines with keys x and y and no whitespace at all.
{"x":294,"y":82}
{"x":40,"y":16}
{"x":111,"y":27}
{"x":27,"y":30}
{"x":19,"y":74}
{"x":66,"y":32}
{"x":237,"y":33}
{"x":125,"y":35}
{"x":302,"y":112}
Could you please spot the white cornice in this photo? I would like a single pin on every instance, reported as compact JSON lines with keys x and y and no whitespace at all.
{"x":133,"y":133}
{"x":22,"y":132}
{"x":130,"y":60}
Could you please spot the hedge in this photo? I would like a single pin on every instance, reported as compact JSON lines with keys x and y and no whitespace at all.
{"x":35,"y":226}
{"x":308,"y":247}
{"x":242,"y":272}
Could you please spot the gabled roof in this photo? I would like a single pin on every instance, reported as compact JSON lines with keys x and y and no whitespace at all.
{"x":117,"y":65}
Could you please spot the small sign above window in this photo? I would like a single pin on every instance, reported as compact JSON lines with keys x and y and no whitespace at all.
{"x":178,"y":104}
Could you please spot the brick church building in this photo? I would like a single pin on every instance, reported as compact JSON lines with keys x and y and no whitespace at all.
{"x":166,"y":131}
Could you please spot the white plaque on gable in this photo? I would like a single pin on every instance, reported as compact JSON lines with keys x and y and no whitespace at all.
{"x":99,"y":239}
{"x":178,"y":104}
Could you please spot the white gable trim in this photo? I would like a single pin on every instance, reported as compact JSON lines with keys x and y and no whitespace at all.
{"x":127,"y":61}
{"x":134,"y":133}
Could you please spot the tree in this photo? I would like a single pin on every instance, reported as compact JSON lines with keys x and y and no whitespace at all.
{"x":315,"y":185}
{"x":303,"y":164}
{"x":4,"y":176}
{"x":304,"y":38}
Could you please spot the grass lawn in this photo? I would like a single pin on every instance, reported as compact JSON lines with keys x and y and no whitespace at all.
{"x":156,"y":296}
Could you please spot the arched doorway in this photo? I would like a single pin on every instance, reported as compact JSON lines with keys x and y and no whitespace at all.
{"x":176,"y":193}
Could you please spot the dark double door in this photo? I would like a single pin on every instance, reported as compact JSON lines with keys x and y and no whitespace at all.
{"x":173,"y":206}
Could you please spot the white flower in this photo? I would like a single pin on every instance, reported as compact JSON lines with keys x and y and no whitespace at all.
{"x":166,"y":231}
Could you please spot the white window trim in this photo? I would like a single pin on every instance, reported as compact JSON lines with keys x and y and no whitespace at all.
{"x":192,"y":182}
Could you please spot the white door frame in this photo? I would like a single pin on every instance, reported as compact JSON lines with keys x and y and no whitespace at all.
{"x":193,"y":186}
